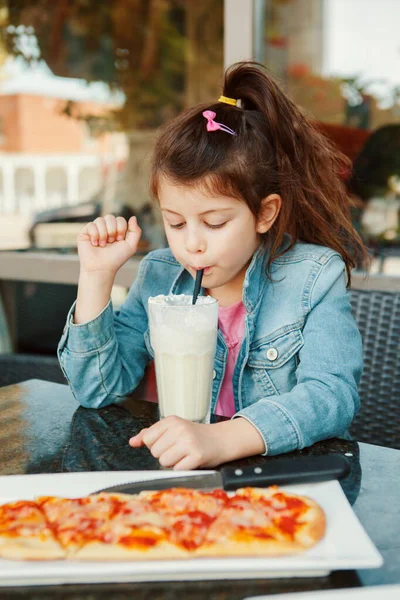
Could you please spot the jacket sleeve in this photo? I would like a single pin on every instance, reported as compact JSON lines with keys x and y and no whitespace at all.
{"x":324,"y":400}
{"x":104,"y":359}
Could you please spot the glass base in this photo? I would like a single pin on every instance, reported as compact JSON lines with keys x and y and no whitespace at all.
{"x":204,"y":421}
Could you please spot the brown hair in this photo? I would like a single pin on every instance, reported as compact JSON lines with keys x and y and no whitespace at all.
{"x":276,"y":149}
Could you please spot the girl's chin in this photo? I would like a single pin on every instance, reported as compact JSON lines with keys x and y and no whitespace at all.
{"x":213,"y":283}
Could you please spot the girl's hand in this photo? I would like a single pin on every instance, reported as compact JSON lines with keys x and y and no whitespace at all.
{"x":181,"y":444}
{"x":107,"y":243}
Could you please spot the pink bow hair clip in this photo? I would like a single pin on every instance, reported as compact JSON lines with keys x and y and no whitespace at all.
{"x":214,"y":125}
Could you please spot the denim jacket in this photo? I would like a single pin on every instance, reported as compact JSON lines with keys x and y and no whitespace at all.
{"x":299,"y":365}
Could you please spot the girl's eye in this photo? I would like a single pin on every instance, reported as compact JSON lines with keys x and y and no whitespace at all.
{"x":178,"y":226}
{"x":216,"y":226}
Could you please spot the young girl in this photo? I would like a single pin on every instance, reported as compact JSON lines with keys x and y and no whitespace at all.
{"x":250,"y":192}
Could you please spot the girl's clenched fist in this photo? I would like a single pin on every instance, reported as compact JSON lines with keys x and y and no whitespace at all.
{"x":105,"y":244}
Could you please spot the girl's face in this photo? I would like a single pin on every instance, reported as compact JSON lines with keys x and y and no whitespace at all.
{"x":217,"y":234}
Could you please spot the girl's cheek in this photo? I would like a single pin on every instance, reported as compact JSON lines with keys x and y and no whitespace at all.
{"x":176,"y":248}
{"x":170,"y":237}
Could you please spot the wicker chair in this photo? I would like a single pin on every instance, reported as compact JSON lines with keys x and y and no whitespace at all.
{"x":378,"y":318}
{"x":15,"y":368}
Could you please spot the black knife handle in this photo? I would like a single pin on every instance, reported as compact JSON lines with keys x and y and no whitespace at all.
{"x":301,"y":469}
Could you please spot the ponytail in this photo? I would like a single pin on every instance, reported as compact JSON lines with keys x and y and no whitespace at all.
{"x":276,"y":149}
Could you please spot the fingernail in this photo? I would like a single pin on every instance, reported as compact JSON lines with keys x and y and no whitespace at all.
{"x":95,"y":242}
{"x":111,"y":240}
{"x":120,"y":237}
{"x":102,"y":243}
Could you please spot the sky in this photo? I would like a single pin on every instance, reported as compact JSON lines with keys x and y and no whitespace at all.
{"x":363,"y":37}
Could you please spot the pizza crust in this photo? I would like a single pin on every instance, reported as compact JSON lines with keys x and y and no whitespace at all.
{"x":314,"y":528}
{"x":30,"y":548}
{"x":112,"y":552}
{"x":249,"y":548}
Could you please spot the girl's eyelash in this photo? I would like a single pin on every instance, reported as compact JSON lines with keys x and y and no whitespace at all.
{"x":215,"y":226}
{"x":180,"y":225}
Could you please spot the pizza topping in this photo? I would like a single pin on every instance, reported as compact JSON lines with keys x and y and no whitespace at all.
{"x":140,"y":540}
{"x":288,"y":525}
{"x":141,"y":536}
{"x":144,"y":541}
{"x":21,"y":518}
{"x":18,"y":510}
{"x":288,"y":502}
{"x":190,"y":530}
{"x":244,"y":534}
{"x":219,"y":494}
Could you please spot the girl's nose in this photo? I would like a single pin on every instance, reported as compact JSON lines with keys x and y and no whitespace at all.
{"x":195,"y":242}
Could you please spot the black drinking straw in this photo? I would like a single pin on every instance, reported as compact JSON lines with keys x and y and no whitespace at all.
{"x":197,"y":285}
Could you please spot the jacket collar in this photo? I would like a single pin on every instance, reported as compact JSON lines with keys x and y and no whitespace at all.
{"x":255,"y":279}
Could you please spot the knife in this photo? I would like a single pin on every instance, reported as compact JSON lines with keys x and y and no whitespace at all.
{"x":301,"y":469}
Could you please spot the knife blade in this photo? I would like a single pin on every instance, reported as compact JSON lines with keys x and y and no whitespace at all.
{"x":301,"y":469}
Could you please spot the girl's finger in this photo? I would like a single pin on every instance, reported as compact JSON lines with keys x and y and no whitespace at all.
{"x":166,"y":441}
{"x":187,"y":463}
{"x":101,"y":226}
{"x":134,"y":232}
{"x":93,"y":233}
{"x":172,"y":456}
{"x":111,"y":224}
{"x":122,"y":226}
{"x":137,"y":440}
{"x":153,"y":433}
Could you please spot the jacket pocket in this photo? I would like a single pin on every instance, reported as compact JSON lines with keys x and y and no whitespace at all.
{"x":273,"y":360}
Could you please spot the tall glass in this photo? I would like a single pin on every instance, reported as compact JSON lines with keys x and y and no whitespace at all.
{"x":184,"y":339}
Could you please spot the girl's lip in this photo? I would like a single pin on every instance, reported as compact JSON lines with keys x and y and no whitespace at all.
{"x":205,"y":269}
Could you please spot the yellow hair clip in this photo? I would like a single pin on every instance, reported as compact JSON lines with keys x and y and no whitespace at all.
{"x":230,"y":101}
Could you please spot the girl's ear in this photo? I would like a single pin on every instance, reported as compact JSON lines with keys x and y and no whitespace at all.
{"x":270,"y":207}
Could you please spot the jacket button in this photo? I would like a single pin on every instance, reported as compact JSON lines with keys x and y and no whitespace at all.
{"x":272,"y":353}
{"x":214,"y":374}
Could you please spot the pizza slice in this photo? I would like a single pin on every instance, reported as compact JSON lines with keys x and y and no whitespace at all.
{"x":135,"y":531}
{"x":188,"y":513}
{"x":264,"y":522}
{"x":297,"y":518}
{"x":25,"y":533}
{"x":76,"y":521}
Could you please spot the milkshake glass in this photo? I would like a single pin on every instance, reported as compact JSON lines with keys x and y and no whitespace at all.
{"x":184,"y":339}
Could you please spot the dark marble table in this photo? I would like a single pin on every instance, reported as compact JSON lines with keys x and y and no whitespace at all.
{"x":42,"y":430}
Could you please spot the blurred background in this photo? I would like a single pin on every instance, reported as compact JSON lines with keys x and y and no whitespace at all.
{"x":84,"y":84}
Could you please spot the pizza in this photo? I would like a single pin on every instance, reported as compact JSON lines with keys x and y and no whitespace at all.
{"x":169,"y":524}
{"x":25,"y":533}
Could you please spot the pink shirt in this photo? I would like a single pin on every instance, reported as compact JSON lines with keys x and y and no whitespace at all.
{"x":231,"y":324}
